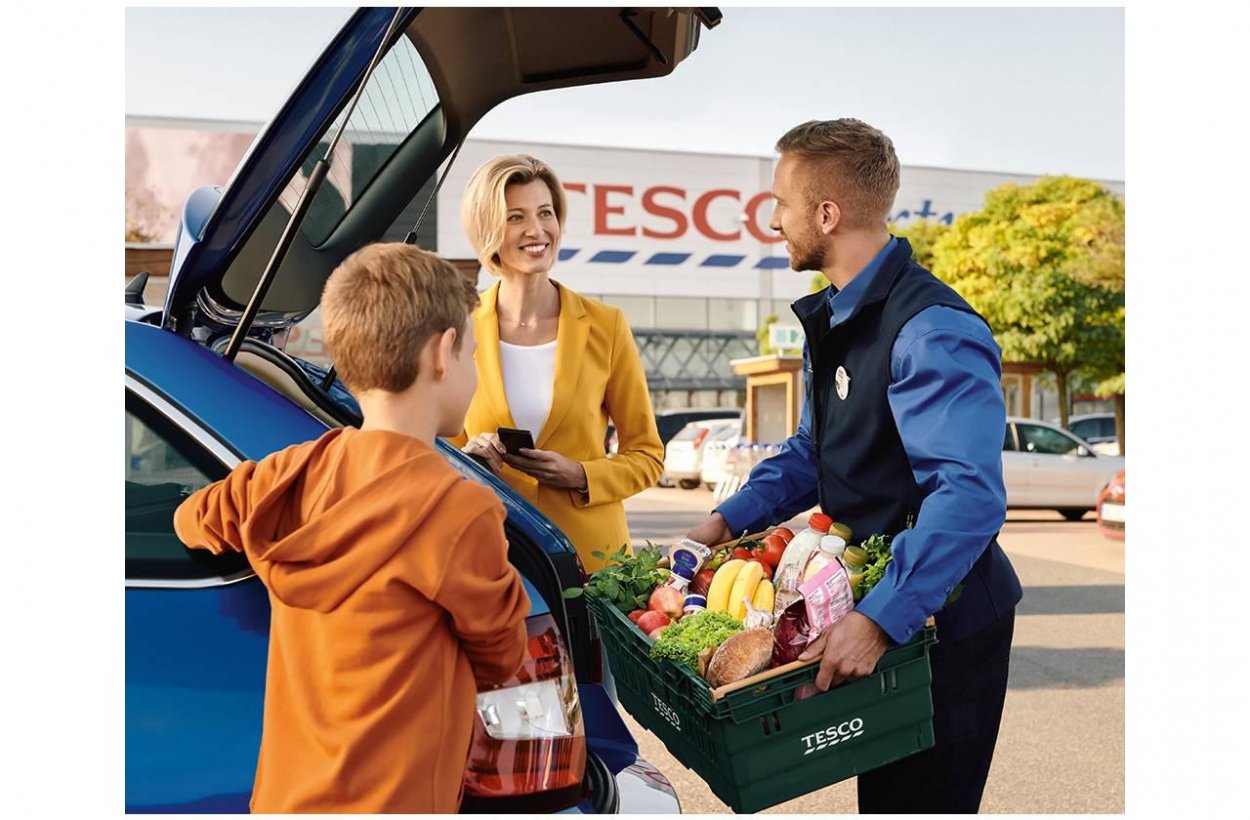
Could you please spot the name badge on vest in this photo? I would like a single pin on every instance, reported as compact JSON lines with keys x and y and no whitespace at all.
{"x":843,"y":382}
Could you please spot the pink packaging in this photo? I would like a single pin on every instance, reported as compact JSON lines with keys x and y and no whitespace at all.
{"x":827,"y":597}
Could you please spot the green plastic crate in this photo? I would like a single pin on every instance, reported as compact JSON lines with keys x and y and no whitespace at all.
{"x":758,"y":746}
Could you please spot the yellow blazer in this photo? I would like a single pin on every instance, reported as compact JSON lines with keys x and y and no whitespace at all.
{"x":598,"y":376}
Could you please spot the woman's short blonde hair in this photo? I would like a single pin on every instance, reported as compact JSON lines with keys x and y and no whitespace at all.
{"x":484,"y":209}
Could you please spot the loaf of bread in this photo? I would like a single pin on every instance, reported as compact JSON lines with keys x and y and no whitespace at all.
{"x":740,"y":656}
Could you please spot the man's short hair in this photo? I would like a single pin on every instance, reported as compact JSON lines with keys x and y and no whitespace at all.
{"x":484,"y":207}
{"x":380,"y":307}
{"x":849,"y":162}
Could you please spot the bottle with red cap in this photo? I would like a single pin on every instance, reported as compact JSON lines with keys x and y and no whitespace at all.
{"x":789,"y":571}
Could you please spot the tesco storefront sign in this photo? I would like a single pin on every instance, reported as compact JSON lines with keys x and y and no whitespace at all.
{"x":675,"y":211}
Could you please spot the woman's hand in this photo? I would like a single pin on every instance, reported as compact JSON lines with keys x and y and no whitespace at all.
{"x":488,"y":447}
{"x":550,"y":468}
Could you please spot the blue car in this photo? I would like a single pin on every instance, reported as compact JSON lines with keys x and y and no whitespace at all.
{"x":351,"y":158}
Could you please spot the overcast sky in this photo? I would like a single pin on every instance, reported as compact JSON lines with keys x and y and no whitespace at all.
{"x":1029,"y":90}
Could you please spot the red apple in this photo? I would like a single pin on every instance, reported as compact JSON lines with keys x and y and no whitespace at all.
{"x":636,"y":614}
{"x":668,"y":600}
{"x":650,"y":621}
{"x":655,"y":633}
{"x":702,"y":582}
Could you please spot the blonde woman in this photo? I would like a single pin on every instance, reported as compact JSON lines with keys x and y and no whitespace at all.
{"x":555,"y":363}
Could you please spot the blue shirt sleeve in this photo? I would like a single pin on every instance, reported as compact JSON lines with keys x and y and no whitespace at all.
{"x":947,"y":400}
{"x":780,"y":486}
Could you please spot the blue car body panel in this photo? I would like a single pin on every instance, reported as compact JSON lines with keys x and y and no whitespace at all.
{"x":196,"y":658}
{"x":195,"y":688}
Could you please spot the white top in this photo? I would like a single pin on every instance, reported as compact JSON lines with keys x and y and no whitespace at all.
{"x":529,"y":374}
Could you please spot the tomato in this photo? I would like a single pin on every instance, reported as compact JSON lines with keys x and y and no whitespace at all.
{"x":774,"y":546}
{"x":768,"y":568}
{"x":743,"y":553}
{"x":785,"y":533}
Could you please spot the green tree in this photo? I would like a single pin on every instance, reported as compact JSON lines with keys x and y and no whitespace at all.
{"x":1037,"y":261}
{"x":922,"y":236}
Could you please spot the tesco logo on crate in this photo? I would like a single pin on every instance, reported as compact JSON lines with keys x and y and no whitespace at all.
{"x":667,"y":711}
{"x":825,"y":738}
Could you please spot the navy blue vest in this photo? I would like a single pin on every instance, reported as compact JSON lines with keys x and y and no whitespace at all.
{"x":866,"y":481}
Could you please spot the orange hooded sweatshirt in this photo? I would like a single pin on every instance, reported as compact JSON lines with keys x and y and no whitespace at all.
{"x":392,"y":598}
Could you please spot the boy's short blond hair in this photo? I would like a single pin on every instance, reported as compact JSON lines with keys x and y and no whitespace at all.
{"x":484,"y":208}
{"x":380,"y":307}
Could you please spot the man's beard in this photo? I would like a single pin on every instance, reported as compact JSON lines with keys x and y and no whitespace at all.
{"x":805,"y":256}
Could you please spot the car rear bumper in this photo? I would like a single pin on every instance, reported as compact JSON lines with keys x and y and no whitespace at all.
{"x":644,"y":790}
{"x":1111,"y":519}
{"x":619,"y":780}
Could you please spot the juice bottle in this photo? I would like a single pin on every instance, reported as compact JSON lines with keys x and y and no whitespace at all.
{"x":855,"y":559}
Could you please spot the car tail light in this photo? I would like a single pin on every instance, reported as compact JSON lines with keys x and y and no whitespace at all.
{"x":702,"y":435}
{"x":529,"y":742}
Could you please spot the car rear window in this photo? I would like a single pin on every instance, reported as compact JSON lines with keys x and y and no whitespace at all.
{"x":1102,"y":427}
{"x":398,"y":97}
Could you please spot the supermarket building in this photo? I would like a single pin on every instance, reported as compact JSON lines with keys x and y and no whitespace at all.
{"x":678,"y":241}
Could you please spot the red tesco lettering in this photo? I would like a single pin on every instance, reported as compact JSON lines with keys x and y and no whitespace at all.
{"x":668,"y":203}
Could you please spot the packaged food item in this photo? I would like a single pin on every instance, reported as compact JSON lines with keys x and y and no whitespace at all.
{"x":788,"y":574}
{"x":693,"y":604}
{"x":831,"y":547}
{"x":791,"y":634}
{"x":827,"y":597}
{"x":685,"y":560}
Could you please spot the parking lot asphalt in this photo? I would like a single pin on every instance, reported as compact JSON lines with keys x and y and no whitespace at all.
{"x":1061,"y":744}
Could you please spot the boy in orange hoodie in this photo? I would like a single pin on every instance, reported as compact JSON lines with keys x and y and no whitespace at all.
{"x":387,"y":572}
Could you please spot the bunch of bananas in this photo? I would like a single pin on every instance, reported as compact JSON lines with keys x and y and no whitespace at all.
{"x":736,"y":582}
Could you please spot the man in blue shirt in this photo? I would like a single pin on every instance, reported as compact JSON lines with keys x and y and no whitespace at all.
{"x":901,"y":434}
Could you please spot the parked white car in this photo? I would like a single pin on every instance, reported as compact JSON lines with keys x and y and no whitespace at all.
{"x":683,"y":456}
{"x":717,"y":451}
{"x":1046,"y":467}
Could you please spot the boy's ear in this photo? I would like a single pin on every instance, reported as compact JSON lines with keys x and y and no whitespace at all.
{"x":444,"y":353}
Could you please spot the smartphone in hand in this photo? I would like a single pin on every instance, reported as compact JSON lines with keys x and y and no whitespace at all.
{"x":515,"y":440}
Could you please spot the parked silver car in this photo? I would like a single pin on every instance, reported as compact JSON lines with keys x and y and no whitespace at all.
{"x":1047,"y":467}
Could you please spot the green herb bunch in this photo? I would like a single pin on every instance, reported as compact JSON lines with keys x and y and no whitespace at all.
{"x":879,"y":557}
{"x":628,"y":580}
{"x":683,"y":641}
